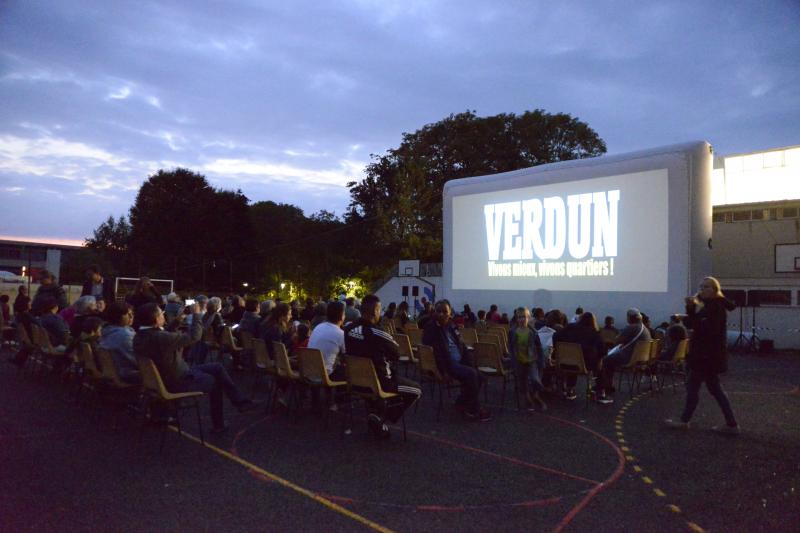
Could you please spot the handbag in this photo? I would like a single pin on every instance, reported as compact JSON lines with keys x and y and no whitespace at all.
{"x":620,"y":347}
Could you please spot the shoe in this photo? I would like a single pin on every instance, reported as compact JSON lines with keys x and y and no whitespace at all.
{"x":571,"y":395}
{"x":676,"y":424}
{"x":483,"y":415}
{"x":384,"y":433}
{"x":245,"y":405}
{"x":727,"y":430}
{"x":605,"y":400}
{"x":220,"y":429}
{"x":375,"y":424}
{"x":531,"y":408}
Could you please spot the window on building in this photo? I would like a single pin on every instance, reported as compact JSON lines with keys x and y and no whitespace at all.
{"x":739,"y":216}
{"x":770,"y":297}
{"x":758,"y":214}
{"x":10,"y":252}
{"x":789,"y":212}
{"x":718,"y":217}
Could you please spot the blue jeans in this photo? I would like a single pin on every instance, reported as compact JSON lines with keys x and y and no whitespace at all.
{"x":215,"y":380}
{"x":711,"y":379}
{"x":470,"y":380}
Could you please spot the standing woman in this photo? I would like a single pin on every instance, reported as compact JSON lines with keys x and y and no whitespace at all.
{"x":708,"y":357}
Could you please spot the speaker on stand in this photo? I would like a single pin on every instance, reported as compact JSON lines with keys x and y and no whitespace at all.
{"x":753,"y":301}
{"x":739,"y":297}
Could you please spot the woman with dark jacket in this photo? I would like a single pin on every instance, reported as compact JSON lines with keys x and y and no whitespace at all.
{"x":708,"y":357}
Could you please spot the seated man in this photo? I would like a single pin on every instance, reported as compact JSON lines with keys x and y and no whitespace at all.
{"x":628,"y":337}
{"x":117,"y":338}
{"x":363,"y":338}
{"x":164,"y":348}
{"x":328,"y":338}
{"x":453,"y":360}
{"x":57,"y":329}
{"x":250,"y":318}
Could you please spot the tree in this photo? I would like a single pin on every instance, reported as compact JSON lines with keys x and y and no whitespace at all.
{"x":183,"y":228}
{"x":398,"y":205}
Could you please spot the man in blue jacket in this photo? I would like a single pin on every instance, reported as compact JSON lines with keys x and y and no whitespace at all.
{"x":453,"y":360}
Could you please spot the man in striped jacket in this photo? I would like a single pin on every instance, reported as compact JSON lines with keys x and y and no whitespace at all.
{"x":364,"y":338}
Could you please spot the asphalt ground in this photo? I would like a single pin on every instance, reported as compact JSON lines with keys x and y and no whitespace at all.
{"x":69,"y":467}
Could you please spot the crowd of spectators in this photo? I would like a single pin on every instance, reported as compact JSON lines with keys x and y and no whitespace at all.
{"x":179,"y":338}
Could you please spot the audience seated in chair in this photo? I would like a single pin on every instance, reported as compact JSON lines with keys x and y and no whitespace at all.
{"x":585,"y":333}
{"x":633,"y":332}
{"x":164,"y":348}
{"x":364,"y":338}
{"x":454,"y":361}
{"x":675,"y":333}
{"x":57,"y":329}
{"x":117,"y":337}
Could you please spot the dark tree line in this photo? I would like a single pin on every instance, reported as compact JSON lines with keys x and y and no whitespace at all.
{"x":182,"y":228}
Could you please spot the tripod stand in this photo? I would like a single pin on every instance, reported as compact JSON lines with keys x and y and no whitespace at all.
{"x":741,"y":340}
{"x":754,"y":343}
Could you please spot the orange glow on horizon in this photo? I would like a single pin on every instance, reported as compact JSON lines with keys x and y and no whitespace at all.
{"x":43,"y":240}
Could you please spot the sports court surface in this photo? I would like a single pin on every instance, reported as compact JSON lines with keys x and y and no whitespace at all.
{"x":606,"y":468}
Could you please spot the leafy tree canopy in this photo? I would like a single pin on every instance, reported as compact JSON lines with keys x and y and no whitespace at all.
{"x":399,"y":202}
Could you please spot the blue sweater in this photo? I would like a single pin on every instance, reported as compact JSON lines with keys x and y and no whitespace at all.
{"x":119,"y":341}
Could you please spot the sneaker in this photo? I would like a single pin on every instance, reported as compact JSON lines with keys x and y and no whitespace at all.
{"x":727,"y":430}
{"x":375,"y":424}
{"x":384,"y":432}
{"x":605,"y":400}
{"x":676,"y":424}
{"x":571,"y":395}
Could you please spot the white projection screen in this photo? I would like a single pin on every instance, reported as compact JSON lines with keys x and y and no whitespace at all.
{"x":604,"y":234}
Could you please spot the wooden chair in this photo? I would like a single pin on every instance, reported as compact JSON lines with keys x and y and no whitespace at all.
{"x":91,"y":376}
{"x":489,"y":362}
{"x":570,"y":362}
{"x":501,"y":332}
{"x":410,"y":326}
{"x":429,"y":373}
{"x":156,"y":392}
{"x":246,"y":338}
{"x":636,"y":366}
{"x":406,"y":352}
{"x":24,"y":342}
{"x":363,"y":384}
{"x":469,"y":336}
{"x":492,"y":337}
{"x":285,"y":374}
{"x":314,"y":374}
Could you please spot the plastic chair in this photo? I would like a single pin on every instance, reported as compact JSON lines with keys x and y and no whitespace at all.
{"x":571,"y":362}
{"x":285,"y":374}
{"x":429,"y":372}
{"x":406,"y":352}
{"x":263,"y":367}
{"x":469,"y":336}
{"x":314,"y":374}
{"x":363,"y":383}
{"x":636,"y":366}
{"x":489,"y":362}
{"x":676,"y":365}
{"x":155,"y":391}
{"x":415,"y":337}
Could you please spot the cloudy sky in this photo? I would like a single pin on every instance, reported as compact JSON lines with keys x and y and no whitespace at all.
{"x":287,"y":100}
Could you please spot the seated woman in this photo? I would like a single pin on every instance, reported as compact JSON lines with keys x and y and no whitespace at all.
{"x":586,"y":333}
{"x":117,"y":338}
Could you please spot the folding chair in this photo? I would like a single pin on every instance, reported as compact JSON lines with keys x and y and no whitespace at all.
{"x":363,"y":384}
{"x":111,"y":386}
{"x":489,"y":362}
{"x":48,"y":355}
{"x":228,"y":345}
{"x":314,"y":374}
{"x":415,"y":337}
{"x":156,"y":392}
{"x":570,"y":361}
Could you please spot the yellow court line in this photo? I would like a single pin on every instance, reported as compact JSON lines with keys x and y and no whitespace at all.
{"x":674,"y":508}
{"x":647,"y":480}
{"x":630,"y":458}
{"x":659,"y":493}
{"x":288,"y":484}
{"x":694,"y":527}
{"x":637,"y":468}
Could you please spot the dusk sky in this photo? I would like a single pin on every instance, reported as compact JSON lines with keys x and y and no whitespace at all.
{"x":287,"y":100}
